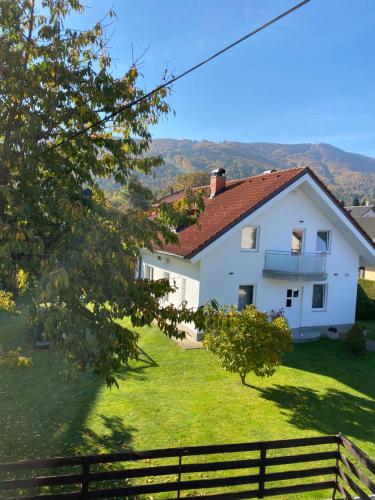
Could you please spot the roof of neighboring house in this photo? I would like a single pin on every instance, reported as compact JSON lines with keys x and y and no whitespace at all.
{"x":239,"y":199}
{"x":368,"y":224}
{"x":359,"y":211}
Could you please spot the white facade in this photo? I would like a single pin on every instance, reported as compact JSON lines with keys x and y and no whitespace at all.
{"x":218,"y":271}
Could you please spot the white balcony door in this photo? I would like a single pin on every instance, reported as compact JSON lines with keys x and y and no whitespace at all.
{"x":292,"y":308}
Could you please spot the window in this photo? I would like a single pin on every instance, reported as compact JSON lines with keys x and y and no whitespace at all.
{"x":149,"y":272}
{"x":319,"y":297}
{"x":290,"y":295}
{"x":245,"y":296}
{"x":323,"y":241}
{"x":183,"y":290}
{"x":297,"y":240}
{"x":249,"y":238}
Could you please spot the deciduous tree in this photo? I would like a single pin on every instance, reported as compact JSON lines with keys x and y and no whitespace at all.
{"x":247,"y":341}
{"x":79,"y":254}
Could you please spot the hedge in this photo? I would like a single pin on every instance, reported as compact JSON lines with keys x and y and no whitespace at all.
{"x":368,"y":287}
{"x":365,"y":300}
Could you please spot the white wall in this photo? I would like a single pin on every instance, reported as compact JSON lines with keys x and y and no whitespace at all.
{"x":178,"y":268}
{"x":224,"y":267}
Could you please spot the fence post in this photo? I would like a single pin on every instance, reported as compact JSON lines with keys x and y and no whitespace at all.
{"x":337,"y":469}
{"x":86,"y":477}
{"x":179,"y":474}
{"x":262,"y":469}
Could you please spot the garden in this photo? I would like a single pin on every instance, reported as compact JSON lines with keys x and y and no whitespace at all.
{"x":173,"y":397}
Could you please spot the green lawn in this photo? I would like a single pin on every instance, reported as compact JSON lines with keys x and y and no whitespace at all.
{"x":175,"y":397}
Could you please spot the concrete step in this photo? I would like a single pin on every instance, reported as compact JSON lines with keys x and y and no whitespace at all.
{"x":302,"y":335}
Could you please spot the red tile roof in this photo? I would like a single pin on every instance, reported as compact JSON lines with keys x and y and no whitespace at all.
{"x":240,"y":198}
{"x":227,"y":208}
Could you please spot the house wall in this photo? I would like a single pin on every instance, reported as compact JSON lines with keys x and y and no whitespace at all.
{"x":178,"y":269}
{"x":225,"y":266}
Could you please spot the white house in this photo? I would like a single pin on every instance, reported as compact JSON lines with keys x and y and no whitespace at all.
{"x":279,"y":240}
{"x":365,"y":216}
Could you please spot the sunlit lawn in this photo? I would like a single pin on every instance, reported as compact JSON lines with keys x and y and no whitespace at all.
{"x":175,"y":397}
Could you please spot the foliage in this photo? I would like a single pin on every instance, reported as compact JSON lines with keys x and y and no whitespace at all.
{"x":7,"y":303}
{"x":132,"y":196}
{"x":273,"y":314}
{"x":356,"y":202}
{"x":368,"y":286}
{"x":184,"y":211}
{"x":77,"y":253}
{"x":170,"y":386}
{"x":247,"y":340}
{"x":346,"y":175}
{"x":356,"y":339}
{"x":187,"y":181}
{"x":365,"y":308}
{"x":14,"y":359}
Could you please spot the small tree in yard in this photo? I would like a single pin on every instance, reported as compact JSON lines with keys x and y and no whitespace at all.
{"x":247,"y":341}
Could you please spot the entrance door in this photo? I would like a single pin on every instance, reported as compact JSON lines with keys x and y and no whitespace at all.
{"x":293,"y":306}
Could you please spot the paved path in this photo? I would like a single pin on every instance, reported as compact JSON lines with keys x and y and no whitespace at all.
{"x":189,"y":342}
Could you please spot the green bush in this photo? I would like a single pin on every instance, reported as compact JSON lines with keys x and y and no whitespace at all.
{"x":356,"y":339}
{"x":14,"y":359}
{"x":368,"y":286}
{"x":248,"y":340}
{"x":365,"y":305}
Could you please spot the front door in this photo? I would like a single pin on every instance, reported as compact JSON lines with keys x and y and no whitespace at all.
{"x":293,"y":307}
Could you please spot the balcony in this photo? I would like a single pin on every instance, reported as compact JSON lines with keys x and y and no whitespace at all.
{"x":295,"y":266}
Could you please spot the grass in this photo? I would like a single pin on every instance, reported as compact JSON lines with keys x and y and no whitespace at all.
{"x":175,"y":397}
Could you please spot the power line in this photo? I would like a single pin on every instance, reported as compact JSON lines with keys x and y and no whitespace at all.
{"x":172,"y":80}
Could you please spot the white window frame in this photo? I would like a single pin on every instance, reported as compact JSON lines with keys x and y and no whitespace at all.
{"x":329,"y":231}
{"x":256,"y":249}
{"x":254,"y":293}
{"x":149,"y":272}
{"x":325,"y":298}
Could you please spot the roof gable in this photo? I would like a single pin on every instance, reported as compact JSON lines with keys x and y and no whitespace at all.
{"x":240,"y":198}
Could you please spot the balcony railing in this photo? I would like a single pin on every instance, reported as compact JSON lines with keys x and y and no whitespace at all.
{"x":295,"y":266}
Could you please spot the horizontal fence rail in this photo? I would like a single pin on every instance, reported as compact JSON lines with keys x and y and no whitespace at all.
{"x":258,"y":470}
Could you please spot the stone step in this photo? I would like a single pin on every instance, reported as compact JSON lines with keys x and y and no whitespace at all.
{"x":300,"y":336}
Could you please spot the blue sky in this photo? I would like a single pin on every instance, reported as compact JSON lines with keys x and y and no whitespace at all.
{"x":309,"y":78}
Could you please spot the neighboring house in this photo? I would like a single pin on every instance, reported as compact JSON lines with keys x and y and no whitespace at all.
{"x":276,"y":240}
{"x":361,"y":211}
{"x":366,"y":219}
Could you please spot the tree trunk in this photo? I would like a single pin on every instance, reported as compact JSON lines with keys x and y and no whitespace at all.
{"x":7,"y":146}
{"x":243,"y":378}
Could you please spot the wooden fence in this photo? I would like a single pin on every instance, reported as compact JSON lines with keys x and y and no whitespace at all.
{"x":269,"y":465}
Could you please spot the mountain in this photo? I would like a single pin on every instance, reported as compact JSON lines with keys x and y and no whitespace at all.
{"x":346,"y":174}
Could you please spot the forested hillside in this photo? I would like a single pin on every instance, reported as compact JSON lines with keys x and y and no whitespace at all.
{"x":347,"y":174}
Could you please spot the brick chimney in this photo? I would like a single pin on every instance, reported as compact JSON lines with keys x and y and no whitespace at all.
{"x":218,"y":181}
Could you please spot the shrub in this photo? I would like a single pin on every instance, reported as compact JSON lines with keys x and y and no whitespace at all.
{"x":365,"y":305}
{"x":278,"y":313}
{"x":14,"y":359}
{"x":356,"y":339}
{"x":247,"y":341}
{"x":368,"y":286}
